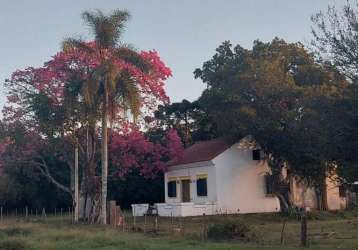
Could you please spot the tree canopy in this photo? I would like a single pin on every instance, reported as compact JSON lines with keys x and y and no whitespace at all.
{"x":280,"y":95}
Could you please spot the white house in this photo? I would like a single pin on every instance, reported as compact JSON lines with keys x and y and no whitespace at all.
{"x":215,"y":177}
{"x":336,"y":195}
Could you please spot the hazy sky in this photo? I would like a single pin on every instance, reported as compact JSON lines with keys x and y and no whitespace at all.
{"x":184,"y":32}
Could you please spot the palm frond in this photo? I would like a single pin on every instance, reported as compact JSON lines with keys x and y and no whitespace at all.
{"x":72,"y":43}
{"x":107,"y":29}
{"x":90,"y":91}
{"x":128,"y":94}
{"x":131,"y":56}
{"x":93,"y":18}
{"x":118,"y":18}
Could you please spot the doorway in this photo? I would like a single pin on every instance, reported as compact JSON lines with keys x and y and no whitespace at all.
{"x":185,"y":190}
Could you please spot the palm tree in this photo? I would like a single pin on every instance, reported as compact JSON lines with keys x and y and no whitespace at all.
{"x":108,"y":87}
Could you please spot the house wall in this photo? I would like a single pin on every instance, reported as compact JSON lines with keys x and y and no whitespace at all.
{"x":334,"y":201}
{"x":192,"y":172}
{"x":302,"y":196}
{"x":241,"y":182}
{"x":185,"y":209}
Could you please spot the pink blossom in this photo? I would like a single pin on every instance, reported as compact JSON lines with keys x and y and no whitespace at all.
{"x":132,"y":150}
{"x":56,"y":74}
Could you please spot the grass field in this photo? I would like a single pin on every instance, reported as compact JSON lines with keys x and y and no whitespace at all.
{"x":326,"y":231}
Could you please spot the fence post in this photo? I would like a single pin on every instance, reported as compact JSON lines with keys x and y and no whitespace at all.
{"x":145,"y":222}
{"x":304,"y":229}
{"x":43,"y":212}
{"x":134,"y":221}
{"x":1,"y":214}
{"x":171,"y":217}
{"x":181,"y":225}
{"x":26,"y":212}
{"x":70,"y":214}
{"x":282,"y":240}
{"x":55,"y":212}
{"x":171,"y":222}
{"x":205,"y":227}
{"x":156,"y":223}
{"x":124,"y":222}
{"x":115,"y":217}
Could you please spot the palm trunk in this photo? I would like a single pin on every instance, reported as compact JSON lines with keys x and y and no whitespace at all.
{"x":104,"y":161}
{"x":76,"y":186}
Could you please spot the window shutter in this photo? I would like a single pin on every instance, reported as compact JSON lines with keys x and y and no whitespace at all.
{"x":269,"y":184}
{"x":172,"y":189}
{"x":256,"y":154}
{"x":202,"y":187}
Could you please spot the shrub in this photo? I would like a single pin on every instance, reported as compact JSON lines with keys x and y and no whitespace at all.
{"x":13,"y":245}
{"x":231,"y":229}
{"x":15,"y":231}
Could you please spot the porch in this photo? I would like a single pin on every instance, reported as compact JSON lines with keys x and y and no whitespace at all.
{"x":180,"y":209}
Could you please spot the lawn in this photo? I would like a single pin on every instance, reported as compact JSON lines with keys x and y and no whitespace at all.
{"x":326,"y":231}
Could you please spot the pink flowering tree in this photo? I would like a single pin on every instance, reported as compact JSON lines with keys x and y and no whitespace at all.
{"x":122,"y":80}
{"x":24,"y":148}
{"x":132,"y":150}
{"x":86,"y":83}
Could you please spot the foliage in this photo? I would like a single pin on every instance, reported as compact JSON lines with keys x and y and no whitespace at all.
{"x":131,"y":150}
{"x":67,"y":74}
{"x":56,"y":232}
{"x":121,"y":80}
{"x":335,"y":37}
{"x":277,"y":93}
{"x":335,"y":40}
{"x":190,"y":121}
{"x":230,"y":229}
{"x":60,"y":104}
{"x":16,"y":231}
{"x":11,"y":244}
{"x":136,"y":189}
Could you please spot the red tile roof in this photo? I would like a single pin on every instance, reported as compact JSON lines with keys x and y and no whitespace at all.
{"x":202,"y":151}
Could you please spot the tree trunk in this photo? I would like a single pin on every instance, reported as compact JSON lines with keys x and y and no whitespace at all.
{"x":304,"y":217}
{"x":104,"y":161}
{"x":304,"y":228}
{"x":76,"y":198}
{"x":324,"y":195}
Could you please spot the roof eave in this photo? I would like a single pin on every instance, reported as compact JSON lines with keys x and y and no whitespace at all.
{"x":191,"y":165}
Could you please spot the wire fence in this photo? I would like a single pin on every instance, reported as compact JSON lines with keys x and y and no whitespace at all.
{"x":269,"y":228}
{"x":26,"y":213}
{"x":149,"y":224}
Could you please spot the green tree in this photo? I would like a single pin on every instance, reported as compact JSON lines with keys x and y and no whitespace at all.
{"x":335,"y":40}
{"x":190,"y":121}
{"x":277,"y":93}
{"x":335,"y":36}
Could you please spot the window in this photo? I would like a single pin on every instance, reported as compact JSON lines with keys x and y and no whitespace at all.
{"x":342,"y":191}
{"x":354,"y":188}
{"x":201,"y":187}
{"x":269,"y":184}
{"x":172,"y":189}
{"x":256,"y":154}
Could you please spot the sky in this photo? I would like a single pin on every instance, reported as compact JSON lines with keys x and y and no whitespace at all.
{"x":184,"y":32}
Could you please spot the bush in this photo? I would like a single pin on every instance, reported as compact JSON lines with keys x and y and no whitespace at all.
{"x":15,"y":231}
{"x":231,"y":229}
{"x":13,"y":245}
